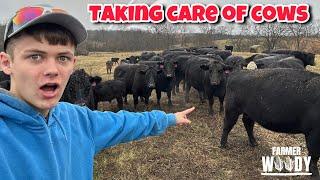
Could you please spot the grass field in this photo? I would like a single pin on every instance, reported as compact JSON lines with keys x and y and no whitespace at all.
{"x":186,"y":152}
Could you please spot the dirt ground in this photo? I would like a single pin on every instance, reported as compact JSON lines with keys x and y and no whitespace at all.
{"x":187,"y":152}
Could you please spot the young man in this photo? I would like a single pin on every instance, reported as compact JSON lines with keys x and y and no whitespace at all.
{"x":39,"y":137}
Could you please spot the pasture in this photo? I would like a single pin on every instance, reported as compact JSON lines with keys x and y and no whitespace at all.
{"x":186,"y":152}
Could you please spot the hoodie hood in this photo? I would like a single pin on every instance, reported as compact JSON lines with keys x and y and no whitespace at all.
{"x":15,"y":110}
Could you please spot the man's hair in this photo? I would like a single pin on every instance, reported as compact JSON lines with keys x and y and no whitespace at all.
{"x":53,"y":33}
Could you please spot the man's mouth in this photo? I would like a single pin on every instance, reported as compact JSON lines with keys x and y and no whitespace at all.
{"x":49,"y":90}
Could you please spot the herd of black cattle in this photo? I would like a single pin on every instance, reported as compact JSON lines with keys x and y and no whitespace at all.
{"x":280,"y":94}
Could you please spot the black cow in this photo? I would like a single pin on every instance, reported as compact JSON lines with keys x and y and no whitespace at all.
{"x":203,"y":50}
{"x":115,"y":60}
{"x":266,"y":61}
{"x":109,"y":65}
{"x":156,"y":58}
{"x":5,"y":84}
{"x":165,"y":78}
{"x":228,"y":47}
{"x":181,"y":61}
{"x":78,"y":87}
{"x":255,"y":57}
{"x":133,"y":59}
{"x":281,"y":100}
{"x":139,"y":80}
{"x":214,"y":82}
{"x":208,"y":77}
{"x":143,"y":84}
{"x":125,"y":72}
{"x":289,"y":62}
{"x":180,"y":58}
{"x":194,"y":76}
{"x":305,"y":57}
{"x":222,"y":53}
{"x":236,"y":62}
{"x":105,"y":91}
{"x":145,"y":56}
{"x":174,"y":50}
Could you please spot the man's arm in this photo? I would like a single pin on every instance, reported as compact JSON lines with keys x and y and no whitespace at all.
{"x":109,"y":129}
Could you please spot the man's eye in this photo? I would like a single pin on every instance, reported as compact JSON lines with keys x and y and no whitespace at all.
{"x":64,"y":58}
{"x":35,"y":57}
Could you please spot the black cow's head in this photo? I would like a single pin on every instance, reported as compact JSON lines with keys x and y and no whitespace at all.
{"x":307,"y":58}
{"x":236,"y":62}
{"x":150,"y":76}
{"x":78,"y":87}
{"x":91,"y":101}
{"x":168,"y":68}
{"x":95,"y":80}
{"x":216,"y":70}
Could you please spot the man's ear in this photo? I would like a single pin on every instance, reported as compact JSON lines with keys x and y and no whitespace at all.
{"x":75,"y":59}
{"x":5,"y":63}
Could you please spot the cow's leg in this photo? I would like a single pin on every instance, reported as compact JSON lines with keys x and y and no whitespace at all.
{"x":146,"y":102}
{"x":120,"y":102}
{"x":178,"y":80}
{"x":210,"y":103}
{"x":230,"y":119}
{"x":135,"y":101}
{"x":177,"y":88}
{"x":184,"y":85}
{"x":174,"y":87}
{"x":186,"y":93}
{"x":202,"y":97}
{"x":313,"y":145}
{"x":158,"y":92}
{"x":248,"y":124}
{"x":169,"y":99}
{"x":125,"y":99}
{"x":221,"y":104}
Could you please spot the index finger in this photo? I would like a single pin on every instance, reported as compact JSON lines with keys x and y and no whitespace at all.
{"x":187,"y":111}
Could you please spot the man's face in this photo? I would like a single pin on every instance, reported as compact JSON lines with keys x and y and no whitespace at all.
{"x":39,"y":71}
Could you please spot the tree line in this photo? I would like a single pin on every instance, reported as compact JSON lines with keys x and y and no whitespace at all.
{"x":167,"y":36}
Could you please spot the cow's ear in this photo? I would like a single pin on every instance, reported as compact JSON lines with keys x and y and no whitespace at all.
{"x":142,"y":71}
{"x":204,"y":66}
{"x":91,"y":79}
{"x":227,"y":67}
{"x":161,"y":64}
{"x":98,"y":79}
{"x":175,"y":64}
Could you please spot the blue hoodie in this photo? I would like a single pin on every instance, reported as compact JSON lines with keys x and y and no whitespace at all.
{"x":65,"y":147}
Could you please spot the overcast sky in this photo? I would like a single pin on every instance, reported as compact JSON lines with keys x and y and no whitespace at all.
{"x":79,"y":8}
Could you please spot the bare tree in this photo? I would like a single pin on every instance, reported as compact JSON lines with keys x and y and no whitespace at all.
{"x":208,"y":31}
{"x":181,"y":30}
{"x":298,"y":32}
{"x":271,"y":33}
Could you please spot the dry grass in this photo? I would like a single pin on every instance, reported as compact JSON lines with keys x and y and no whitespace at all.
{"x":186,"y":152}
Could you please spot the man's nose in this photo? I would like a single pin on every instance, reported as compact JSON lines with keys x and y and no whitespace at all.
{"x":51,"y":68}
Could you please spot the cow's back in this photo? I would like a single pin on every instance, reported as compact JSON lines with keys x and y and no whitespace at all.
{"x":275,"y":98}
{"x":125,"y":73}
